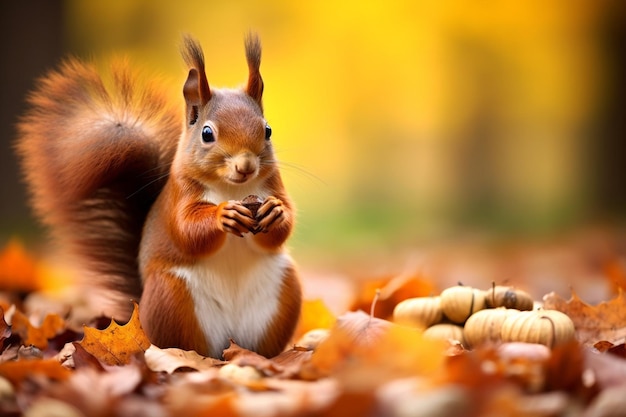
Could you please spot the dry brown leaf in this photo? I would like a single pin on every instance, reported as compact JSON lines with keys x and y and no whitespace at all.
{"x":83,"y":359}
{"x":96,"y":393}
{"x":243,"y":357}
{"x":169,"y":360}
{"x":290,"y":362}
{"x":605,"y":370}
{"x":37,"y":336}
{"x":362,"y":328}
{"x":116,"y":344}
{"x":605,"y":321}
{"x":565,"y":367}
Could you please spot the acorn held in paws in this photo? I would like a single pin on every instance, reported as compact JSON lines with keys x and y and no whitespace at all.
{"x":252,"y":203}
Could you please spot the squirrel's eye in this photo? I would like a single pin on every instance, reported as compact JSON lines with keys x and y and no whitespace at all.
{"x":207,"y":135}
{"x":268,"y":132}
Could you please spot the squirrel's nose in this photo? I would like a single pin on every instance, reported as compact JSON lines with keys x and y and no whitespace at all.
{"x":245,"y":164}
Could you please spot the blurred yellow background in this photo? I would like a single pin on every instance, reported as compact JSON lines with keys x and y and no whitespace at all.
{"x":403,"y":121}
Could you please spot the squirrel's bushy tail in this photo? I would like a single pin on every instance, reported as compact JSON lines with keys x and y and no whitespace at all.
{"x":95,"y":158}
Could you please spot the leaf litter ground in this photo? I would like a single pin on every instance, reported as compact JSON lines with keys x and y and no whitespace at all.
{"x":358,"y":364}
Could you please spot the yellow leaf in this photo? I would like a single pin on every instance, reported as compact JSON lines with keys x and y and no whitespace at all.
{"x":315,"y":315}
{"x":18,"y":270}
{"x":116,"y":344}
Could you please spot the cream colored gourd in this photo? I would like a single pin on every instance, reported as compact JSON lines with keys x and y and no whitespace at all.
{"x":446,"y":332}
{"x":548,"y":327}
{"x":485,"y":325}
{"x":418,"y":312}
{"x":508,"y":297}
{"x":460,"y":302}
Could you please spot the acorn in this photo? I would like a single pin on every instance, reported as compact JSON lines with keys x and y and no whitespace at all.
{"x":419,"y":312}
{"x":547,"y":327}
{"x":484,"y":325}
{"x":446,"y":332}
{"x":508,"y":297}
{"x":240,"y":374}
{"x":460,"y":302}
{"x":252,"y":203}
{"x":312,"y":339}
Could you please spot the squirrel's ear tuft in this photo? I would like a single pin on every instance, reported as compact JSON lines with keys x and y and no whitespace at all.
{"x":196,"y":89}
{"x":253,"y":55}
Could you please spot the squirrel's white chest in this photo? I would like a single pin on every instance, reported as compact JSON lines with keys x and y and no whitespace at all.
{"x":235,"y":292}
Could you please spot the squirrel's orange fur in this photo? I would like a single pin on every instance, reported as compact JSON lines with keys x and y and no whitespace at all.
{"x":150,"y":205}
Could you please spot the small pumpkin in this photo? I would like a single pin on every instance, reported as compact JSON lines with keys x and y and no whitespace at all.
{"x":508,"y":297}
{"x":446,"y":332}
{"x":419,"y":312}
{"x":460,"y":302}
{"x":485,"y":325}
{"x":548,"y":327}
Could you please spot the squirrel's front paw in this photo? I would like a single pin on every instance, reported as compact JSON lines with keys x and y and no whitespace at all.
{"x":234,"y":218}
{"x":270,"y":214}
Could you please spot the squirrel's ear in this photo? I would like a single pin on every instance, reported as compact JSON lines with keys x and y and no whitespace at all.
{"x":196,"y":89}
{"x":253,"y":55}
{"x":193,"y":95}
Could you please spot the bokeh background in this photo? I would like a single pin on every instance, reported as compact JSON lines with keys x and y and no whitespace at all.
{"x":398,"y":122}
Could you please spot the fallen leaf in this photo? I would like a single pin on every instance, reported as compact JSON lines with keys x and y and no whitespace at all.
{"x":362,"y":328}
{"x":611,"y":402}
{"x":83,"y":359}
{"x":243,"y":357}
{"x":169,"y":360}
{"x":116,"y":344}
{"x":315,"y":315}
{"x":366,"y":350}
{"x":18,"y":269}
{"x":37,"y":336}
{"x":604,"y":370}
{"x":603,"y":346}
{"x":564,"y":368}
{"x":390,"y":292}
{"x":605,"y":321}
{"x":18,"y":371}
{"x":96,"y":393}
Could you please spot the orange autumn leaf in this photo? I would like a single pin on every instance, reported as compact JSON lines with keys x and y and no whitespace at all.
{"x":116,"y":344}
{"x":359,"y":343}
{"x":390,"y":292}
{"x":18,"y":371}
{"x":314,"y":315}
{"x":605,"y":321}
{"x":37,"y":336}
{"x":18,"y":269}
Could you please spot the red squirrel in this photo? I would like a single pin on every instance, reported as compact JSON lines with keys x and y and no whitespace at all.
{"x":151,"y":206}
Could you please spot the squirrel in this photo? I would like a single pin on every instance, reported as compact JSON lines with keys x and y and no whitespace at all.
{"x":148,"y":200}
